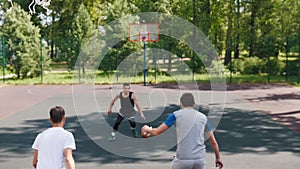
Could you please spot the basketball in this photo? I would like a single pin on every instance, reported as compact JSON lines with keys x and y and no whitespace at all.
{"x":145,"y":134}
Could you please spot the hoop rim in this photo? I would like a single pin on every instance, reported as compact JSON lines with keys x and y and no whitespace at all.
{"x":140,"y":38}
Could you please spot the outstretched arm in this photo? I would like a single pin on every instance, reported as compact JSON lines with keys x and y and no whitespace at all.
{"x":156,"y":131}
{"x":215,"y":147}
{"x":109,"y":112}
{"x":138,"y":106}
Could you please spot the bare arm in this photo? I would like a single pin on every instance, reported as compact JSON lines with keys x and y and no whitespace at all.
{"x":35,"y":157}
{"x":156,"y":131}
{"x":70,"y":163}
{"x":112,"y":104}
{"x":138,"y":106}
{"x":215,"y":147}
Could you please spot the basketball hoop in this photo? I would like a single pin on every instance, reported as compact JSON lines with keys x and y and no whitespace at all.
{"x":145,"y":32}
{"x":148,"y":32}
{"x":144,"y":36}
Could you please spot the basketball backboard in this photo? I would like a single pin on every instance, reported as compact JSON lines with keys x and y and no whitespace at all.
{"x":148,"y":32}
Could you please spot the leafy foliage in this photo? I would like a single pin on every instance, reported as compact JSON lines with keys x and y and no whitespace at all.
{"x":249,"y":29}
{"x":24,"y":43}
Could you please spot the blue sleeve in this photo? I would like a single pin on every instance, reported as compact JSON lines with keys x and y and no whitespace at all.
{"x":170,"y":120}
{"x":207,"y":126}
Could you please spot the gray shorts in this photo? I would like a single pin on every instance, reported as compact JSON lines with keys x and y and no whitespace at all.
{"x":188,"y":164}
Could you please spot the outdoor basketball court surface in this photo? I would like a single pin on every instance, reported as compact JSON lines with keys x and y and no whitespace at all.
{"x":259,"y":128}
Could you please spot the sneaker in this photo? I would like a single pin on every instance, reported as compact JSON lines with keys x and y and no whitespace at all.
{"x":135,"y":133}
{"x":112,"y":138}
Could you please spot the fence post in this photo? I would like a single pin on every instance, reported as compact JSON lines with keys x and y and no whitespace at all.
{"x":298,"y":58}
{"x":230,"y":69}
{"x":286,"y":58}
{"x":41,"y":59}
{"x":78,"y":58}
{"x":269,"y":53}
{"x":3,"y":57}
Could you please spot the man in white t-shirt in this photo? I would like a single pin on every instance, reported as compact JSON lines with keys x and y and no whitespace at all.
{"x":53,"y":147}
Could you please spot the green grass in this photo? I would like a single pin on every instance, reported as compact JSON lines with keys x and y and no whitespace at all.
{"x":237,"y":79}
{"x":58,"y":65}
{"x":69,"y":77}
{"x":48,"y":78}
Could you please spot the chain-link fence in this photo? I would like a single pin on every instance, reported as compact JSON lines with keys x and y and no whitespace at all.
{"x":161,"y":64}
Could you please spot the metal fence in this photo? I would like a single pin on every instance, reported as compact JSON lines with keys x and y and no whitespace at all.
{"x":162,"y":62}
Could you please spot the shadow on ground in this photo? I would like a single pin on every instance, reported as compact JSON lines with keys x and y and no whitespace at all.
{"x":221,"y":86}
{"x":277,"y":97}
{"x":288,"y":119}
{"x":242,"y":131}
{"x":239,"y":131}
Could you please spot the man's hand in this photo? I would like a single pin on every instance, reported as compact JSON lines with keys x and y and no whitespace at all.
{"x":109,"y":112}
{"x":146,"y":128}
{"x":219,"y":163}
{"x":143,"y":117}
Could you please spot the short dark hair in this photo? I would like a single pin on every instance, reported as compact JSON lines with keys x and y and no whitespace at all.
{"x":187,"y":100}
{"x":126,"y":84}
{"x":57,"y":113}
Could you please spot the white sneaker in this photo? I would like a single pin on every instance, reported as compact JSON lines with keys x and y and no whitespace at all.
{"x":112,"y":138}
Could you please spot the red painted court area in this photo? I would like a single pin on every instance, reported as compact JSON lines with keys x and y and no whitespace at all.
{"x":17,"y":98}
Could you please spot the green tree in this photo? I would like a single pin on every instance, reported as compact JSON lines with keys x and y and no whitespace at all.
{"x":23,"y":43}
{"x":82,"y":29}
{"x":116,"y":10}
{"x":229,"y":32}
{"x":218,"y":23}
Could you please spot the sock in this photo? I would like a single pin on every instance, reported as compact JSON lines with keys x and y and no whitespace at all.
{"x":113,"y":134}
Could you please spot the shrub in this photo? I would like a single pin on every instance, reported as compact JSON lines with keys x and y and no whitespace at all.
{"x":254,"y":65}
{"x":276,"y":67}
{"x":247,"y":66}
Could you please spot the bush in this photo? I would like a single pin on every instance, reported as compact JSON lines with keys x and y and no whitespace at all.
{"x":248,"y":66}
{"x":218,"y":68}
{"x":254,"y":65}
{"x":276,"y":67}
{"x":237,"y":66}
{"x":293,"y":67}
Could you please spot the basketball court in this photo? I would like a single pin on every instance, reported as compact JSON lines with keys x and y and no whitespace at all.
{"x":260,"y":127}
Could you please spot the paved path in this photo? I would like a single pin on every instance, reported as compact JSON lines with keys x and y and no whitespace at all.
{"x":258,"y":130}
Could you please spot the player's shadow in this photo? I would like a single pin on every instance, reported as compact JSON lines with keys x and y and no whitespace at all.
{"x":239,"y":131}
{"x":17,"y":141}
{"x":124,"y":127}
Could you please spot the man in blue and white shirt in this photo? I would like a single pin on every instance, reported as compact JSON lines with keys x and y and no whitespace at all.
{"x":191,"y":128}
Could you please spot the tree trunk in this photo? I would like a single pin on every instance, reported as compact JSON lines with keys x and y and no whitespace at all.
{"x":207,"y":16}
{"x":83,"y":66}
{"x":195,"y":22}
{"x":252,"y":30}
{"x":237,"y":40}
{"x":52,"y":54}
{"x":169,"y":63}
{"x":228,"y":42}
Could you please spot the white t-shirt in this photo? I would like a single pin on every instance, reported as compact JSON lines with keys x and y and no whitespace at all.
{"x":50,"y":145}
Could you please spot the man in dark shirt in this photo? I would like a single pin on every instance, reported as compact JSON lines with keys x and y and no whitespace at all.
{"x":127,"y":100}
